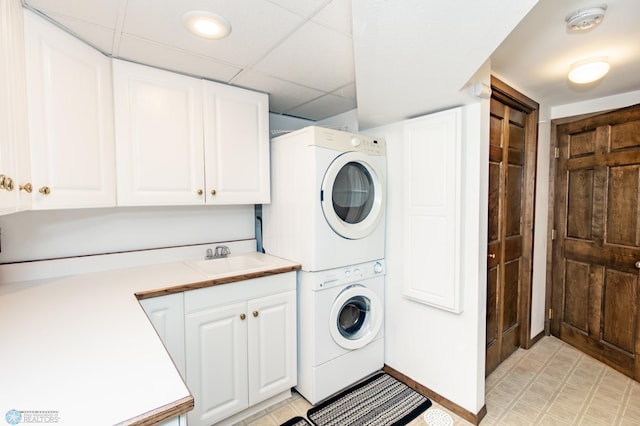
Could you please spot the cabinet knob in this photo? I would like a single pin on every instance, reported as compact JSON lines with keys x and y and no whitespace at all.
{"x":45,"y":190}
{"x":255,"y":313}
{"x":2,"y":180}
{"x":8,"y":184}
{"x":27,"y":187}
{"x":213,"y":192}
{"x":638,"y":264}
{"x":200,"y":192}
{"x":491,"y":255}
{"x":242,"y":317}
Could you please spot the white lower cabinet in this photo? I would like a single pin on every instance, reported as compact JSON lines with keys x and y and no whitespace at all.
{"x":240,"y":350}
{"x":237,"y":343}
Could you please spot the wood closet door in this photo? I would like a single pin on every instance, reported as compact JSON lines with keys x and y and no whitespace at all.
{"x":505,"y":233}
{"x":597,"y":248}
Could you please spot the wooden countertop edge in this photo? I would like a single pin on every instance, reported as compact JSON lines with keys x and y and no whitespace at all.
{"x":209,"y":283}
{"x":161,"y":414}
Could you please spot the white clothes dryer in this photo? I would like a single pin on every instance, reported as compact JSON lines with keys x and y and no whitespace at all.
{"x":328,"y":198}
{"x":340,"y":328}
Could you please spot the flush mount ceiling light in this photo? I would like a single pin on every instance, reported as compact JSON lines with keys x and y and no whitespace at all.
{"x":589,"y":70}
{"x":585,"y":19}
{"x":206,"y":24}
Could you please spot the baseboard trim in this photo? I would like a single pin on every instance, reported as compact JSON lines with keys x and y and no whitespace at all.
{"x":535,"y":339}
{"x":473,"y":418}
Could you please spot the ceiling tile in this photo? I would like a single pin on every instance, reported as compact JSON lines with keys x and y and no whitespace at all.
{"x":336,"y":15}
{"x":313,"y":56}
{"x":323,"y":107}
{"x":96,"y":35}
{"x":155,"y":54}
{"x":252,"y":35}
{"x":300,"y":7}
{"x":103,"y":13}
{"x":284,"y":95}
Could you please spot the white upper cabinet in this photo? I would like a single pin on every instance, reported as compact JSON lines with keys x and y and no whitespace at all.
{"x":182,"y":140}
{"x":159,"y":154}
{"x":236,"y":126}
{"x":70,"y":113}
{"x":14,"y":165}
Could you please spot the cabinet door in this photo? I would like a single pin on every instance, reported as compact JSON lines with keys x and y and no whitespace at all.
{"x":236,"y":145}
{"x":216,"y":342}
{"x":158,"y":120}
{"x":272,"y":345}
{"x":166,"y":313}
{"x":13,"y":110}
{"x":70,"y":119}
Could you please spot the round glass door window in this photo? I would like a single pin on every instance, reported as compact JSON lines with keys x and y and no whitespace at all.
{"x":353,"y":195}
{"x":356,"y":317}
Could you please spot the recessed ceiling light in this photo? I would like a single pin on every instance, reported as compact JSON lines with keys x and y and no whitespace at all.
{"x":206,"y":24}
{"x":589,"y":70}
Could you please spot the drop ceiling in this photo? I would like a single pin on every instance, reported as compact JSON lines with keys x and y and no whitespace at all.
{"x":392,"y":59}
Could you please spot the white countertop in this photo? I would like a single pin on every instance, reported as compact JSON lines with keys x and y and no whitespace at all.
{"x":82,"y":345}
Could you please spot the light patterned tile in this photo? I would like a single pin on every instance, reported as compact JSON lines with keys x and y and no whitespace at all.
{"x":564,"y":410}
{"x":534,"y":399}
{"x":549,"y":420}
{"x":512,"y":419}
{"x":503,"y":399}
{"x":525,"y":411}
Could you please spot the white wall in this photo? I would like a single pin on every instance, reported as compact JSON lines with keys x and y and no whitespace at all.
{"x":35,"y":235}
{"x":441,"y":350}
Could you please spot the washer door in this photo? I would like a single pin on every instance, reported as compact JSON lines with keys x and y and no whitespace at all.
{"x":352,"y":196}
{"x":356,"y":317}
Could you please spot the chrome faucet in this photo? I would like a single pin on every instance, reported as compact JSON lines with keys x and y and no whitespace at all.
{"x":221,"y":251}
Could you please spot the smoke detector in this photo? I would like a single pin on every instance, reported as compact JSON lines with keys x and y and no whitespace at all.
{"x":585,"y":19}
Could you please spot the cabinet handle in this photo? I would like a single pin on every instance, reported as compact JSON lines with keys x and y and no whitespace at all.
{"x":255,"y":313}
{"x":45,"y":190}
{"x":27,"y":187}
{"x":213,"y":192}
{"x":242,"y":317}
{"x":200,"y":192}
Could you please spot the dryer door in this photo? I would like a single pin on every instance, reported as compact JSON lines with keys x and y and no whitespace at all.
{"x":352,"y":196}
{"x":356,"y":317}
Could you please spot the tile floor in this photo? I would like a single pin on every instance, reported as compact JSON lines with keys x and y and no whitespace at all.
{"x":550,"y":384}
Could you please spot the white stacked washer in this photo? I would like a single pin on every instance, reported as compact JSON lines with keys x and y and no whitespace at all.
{"x":340,"y":328}
{"x":327,"y":212}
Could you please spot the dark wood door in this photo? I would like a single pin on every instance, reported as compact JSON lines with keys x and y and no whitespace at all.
{"x":510,"y":227}
{"x":595,"y":275}
{"x":504,"y":233}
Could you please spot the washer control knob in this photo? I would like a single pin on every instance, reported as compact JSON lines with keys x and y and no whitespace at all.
{"x":355,"y":141}
{"x":347,"y":273}
{"x":377,"y":268}
{"x":357,"y":272}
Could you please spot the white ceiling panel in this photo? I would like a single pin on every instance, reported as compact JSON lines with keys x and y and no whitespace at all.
{"x":103,"y":13}
{"x":315,"y":55}
{"x":336,"y":16}
{"x":284,"y":95}
{"x":155,"y":54}
{"x":257,"y":32}
{"x":96,"y":35}
{"x":302,"y":7}
{"x":323,"y":107}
